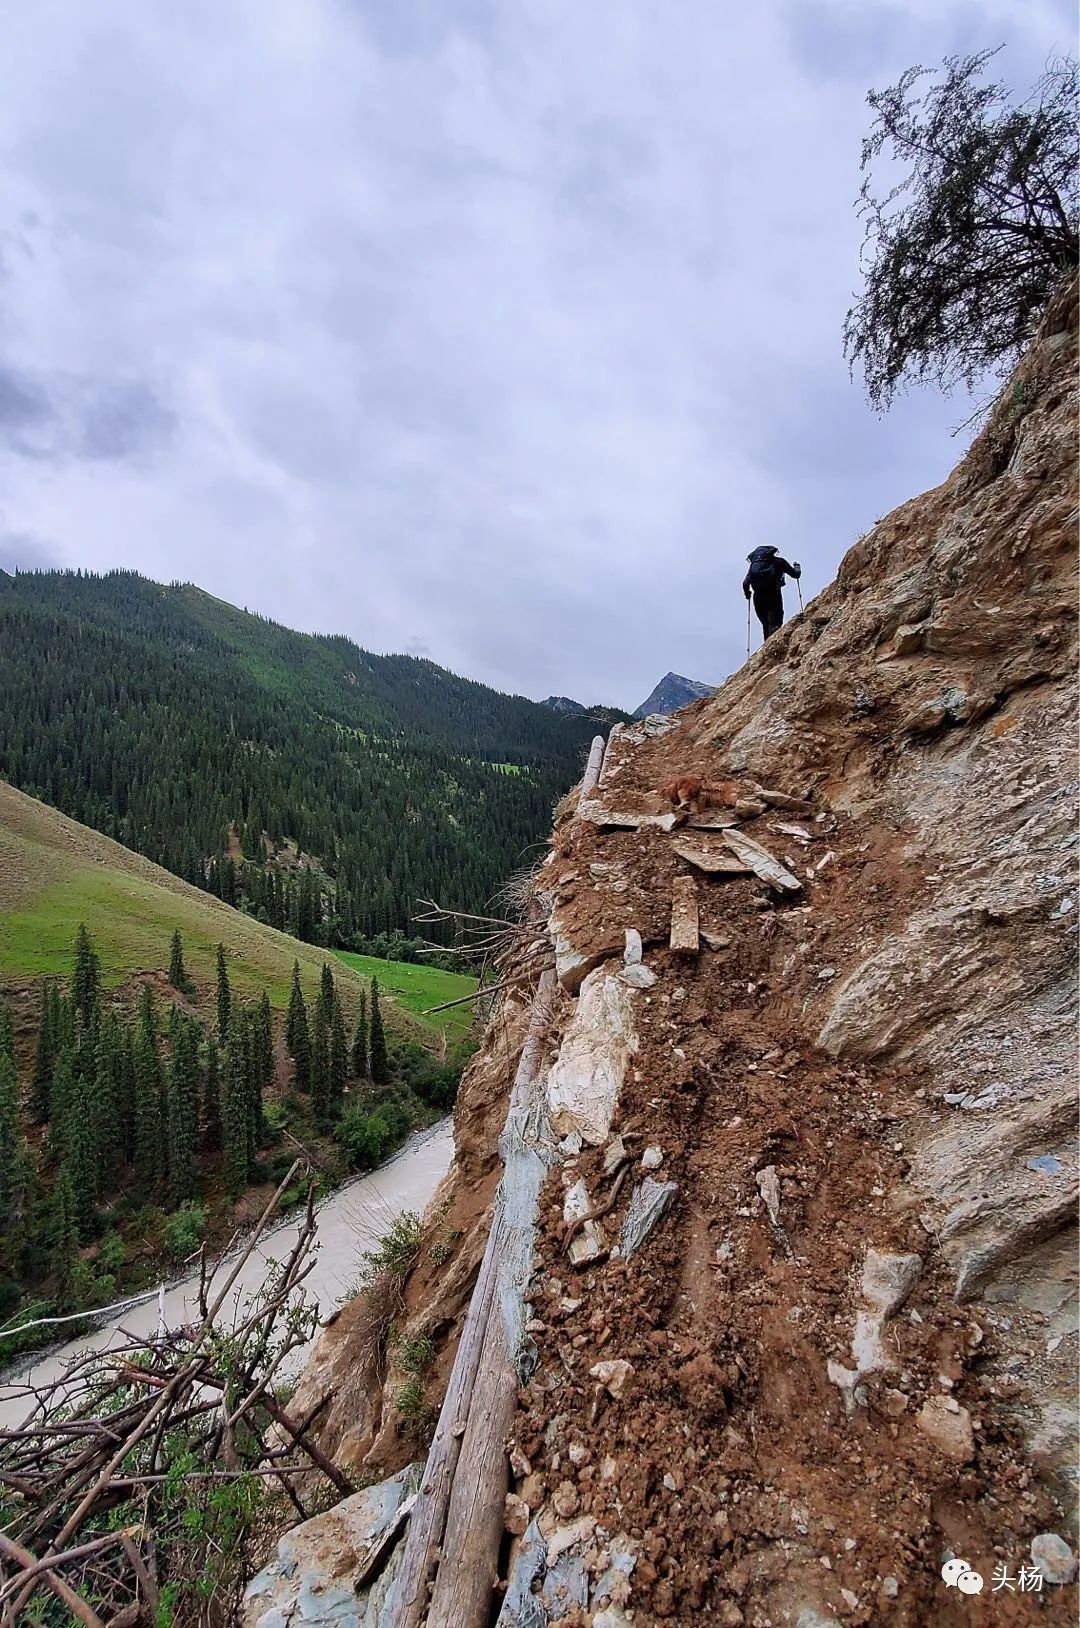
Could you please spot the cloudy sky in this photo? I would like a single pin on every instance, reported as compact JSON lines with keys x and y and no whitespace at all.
{"x":495,"y":330}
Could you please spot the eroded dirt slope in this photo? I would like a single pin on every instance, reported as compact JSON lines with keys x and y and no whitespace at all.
{"x":846,"y":1347}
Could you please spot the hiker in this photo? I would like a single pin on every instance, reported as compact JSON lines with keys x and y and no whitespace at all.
{"x":764,"y":580}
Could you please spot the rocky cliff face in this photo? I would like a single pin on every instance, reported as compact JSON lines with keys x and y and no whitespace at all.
{"x":803,"y":1319}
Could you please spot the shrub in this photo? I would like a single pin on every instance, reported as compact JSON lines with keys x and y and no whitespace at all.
{"x":184,"y":1231}
{"x":363,"y":1136}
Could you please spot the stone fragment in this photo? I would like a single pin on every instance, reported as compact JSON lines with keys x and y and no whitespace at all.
{"x":780,"y":799}
{"x":612,"y":1374}
{"x":615,"y":821}
{"x":585,"y":1079}
{"x":612,"y":1616}
{"x":614,"y":1154}
{"x":575,"y":959}
{"x":908,"y":638}
{"x":1053,"y":1557}
{"x":748,"y":808}
{"x":714,"y":858}
{"x":632,"y":952}
{"x":647,"y":1204}
{"x":587,"y":1244}
{"x":320,"y":1560}
{"x":577,"y":1204}
{"x":613,"y":1585}
{"x":652,"y":1158}
{"x":811,"y":1617}
{"x":519,"y":1464}
{"x":684,"y":916}
{"x":516,"y":1514}
{"x":950,"y":1432}
{"x":568,"y":1537}
{"x":762,"y":863}
{"x":716,"y":941}
{"x":565,"y":1500}
{"x":639,"y":977}
{"x":768,"y":1183}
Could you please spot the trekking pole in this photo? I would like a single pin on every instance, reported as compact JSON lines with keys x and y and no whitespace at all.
{"x":748,"y":629}
{"x":798,"y":585}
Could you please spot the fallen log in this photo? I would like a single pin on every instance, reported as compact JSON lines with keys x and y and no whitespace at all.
{"x":461,"y":1595}
{"x":433,"y":1501}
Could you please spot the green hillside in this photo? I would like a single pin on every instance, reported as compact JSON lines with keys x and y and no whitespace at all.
{"x":55,"y":874}
{"x":150,"y":1093}
{"x":203,"y":737}
{"x":417,"y":988}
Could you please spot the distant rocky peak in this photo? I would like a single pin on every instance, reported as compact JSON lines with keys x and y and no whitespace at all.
{"x":672,"y":692}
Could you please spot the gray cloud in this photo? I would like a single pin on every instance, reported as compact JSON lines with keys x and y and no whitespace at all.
{"x":497,"y":332}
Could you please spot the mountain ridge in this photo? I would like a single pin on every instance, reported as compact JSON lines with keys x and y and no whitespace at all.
{"x":174,"y":723}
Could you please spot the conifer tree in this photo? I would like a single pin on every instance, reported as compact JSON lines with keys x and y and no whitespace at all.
{"x":236,"y":1118}
{"x":320,"y":1064}
{"x":211,"y":1110}
{"x":298,"y":1036}
{"x":182,"y":1098}
{"x":296,"y":1001}
{"x":224,"y":997}
{"x":147,"y":1131}
{"x":64,"y":1239}
{"x":359,"y":1045}
{"x":9,"y":1135}
{"x":148,"y":1024}
{"x":326,"y":985}
{"x":79,"y":1163}
{"x":7,"y":1031}
{"x":125,"y":1094}
{"x":45,"y":1056}
{"x":380,"y":1063}
{"x":266,"y":1042}
{"x":85,"y":992}
{"x":104,"y":1124}
{"x":177,"y":972}
{"x":62,"y":1100}
{"x":339,"y":1060}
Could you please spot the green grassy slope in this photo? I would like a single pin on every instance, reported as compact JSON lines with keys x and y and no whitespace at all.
{"x":55,"y":873}
{"x":418,"y":987}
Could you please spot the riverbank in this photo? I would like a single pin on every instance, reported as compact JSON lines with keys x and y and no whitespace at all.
{"x":354,"y":1218}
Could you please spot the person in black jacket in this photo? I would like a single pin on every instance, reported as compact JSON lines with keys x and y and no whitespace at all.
{"x":764,"y":580}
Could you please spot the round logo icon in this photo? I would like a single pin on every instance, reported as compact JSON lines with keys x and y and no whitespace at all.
{"x":956,"y":1573}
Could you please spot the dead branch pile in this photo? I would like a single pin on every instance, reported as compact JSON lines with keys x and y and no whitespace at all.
{"x":132,"y":1477}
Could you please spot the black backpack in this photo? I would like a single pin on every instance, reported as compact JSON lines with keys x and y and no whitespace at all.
{"x":764,"y":571}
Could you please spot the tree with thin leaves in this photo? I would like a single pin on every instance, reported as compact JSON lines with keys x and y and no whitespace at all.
{"x":44,"y":1057}
{"x":224,"y":997}
{"x":85,"y":990}
{"x":9,"y":1135}
{"x":211,"y":1099}
{"x":338,"y":1061}
{"x":380,"y":1063}
{"x":320,"y":1063}
{"x":297,"y":1034}
{"x":963,"y":251}
{"x":358,"y":1053}
{"x":177,"y":971}
{"x":148,"y":1130}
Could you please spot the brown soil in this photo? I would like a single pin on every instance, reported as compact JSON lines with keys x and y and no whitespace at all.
{"x":732,"y":1461}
